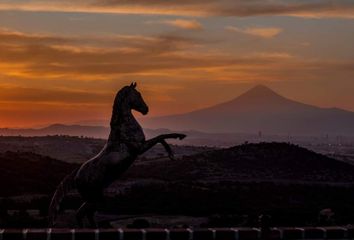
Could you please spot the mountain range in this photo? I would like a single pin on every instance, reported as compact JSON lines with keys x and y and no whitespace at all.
{"x":58,"y":129}
{"x":261,"y":109}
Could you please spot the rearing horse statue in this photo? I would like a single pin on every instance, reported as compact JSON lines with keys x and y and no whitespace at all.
{"x":125,"y":143}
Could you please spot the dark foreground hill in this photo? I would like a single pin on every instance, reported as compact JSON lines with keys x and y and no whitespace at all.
{"x":251,"y":162}
{"x":237,"y":184}
{"x":25,"y":172}
{"x":288,"y":182}
{"x":28,"y":173}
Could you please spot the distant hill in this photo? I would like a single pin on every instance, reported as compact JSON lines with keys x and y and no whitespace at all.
{"x":77,"y":149}
{"x":58,"y":129}
{"x":65,"y":148}
{"x":261,"y":109}
{"x":101,"y":132}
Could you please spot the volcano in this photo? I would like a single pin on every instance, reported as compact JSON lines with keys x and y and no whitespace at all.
{"x":261,"y":109}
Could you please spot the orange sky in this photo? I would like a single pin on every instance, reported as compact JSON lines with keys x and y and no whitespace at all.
{"x":62,"y":62}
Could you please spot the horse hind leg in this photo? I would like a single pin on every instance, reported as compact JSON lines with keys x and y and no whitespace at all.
{"x":91,"y":215}
{"x":80,"y":214}
{"x":88,"y":210}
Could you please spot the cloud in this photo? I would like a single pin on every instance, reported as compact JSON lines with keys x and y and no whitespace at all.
{"x":262,"y":32}
{"x":240,"y":8}
{"x":25,"y":94}
{"x":180,"y":23}
{"x":31,"y":56}
{"x":272,"y":55}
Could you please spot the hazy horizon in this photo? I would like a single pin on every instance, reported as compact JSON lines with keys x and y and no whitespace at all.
{"x":105,"y":122}
{"x":258,"y":109}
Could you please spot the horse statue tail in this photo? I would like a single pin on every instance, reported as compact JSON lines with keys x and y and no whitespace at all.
{"x":65,"y":186}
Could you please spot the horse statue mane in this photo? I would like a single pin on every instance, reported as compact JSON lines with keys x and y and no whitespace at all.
{"x":125,"y":143}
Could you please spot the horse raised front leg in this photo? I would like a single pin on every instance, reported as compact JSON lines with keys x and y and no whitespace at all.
{"x":168,"y":149}
{"x":172,"y":135}
{"x":161,"y":139}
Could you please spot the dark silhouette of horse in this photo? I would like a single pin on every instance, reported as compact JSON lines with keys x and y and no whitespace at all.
{"x":125,"y":143}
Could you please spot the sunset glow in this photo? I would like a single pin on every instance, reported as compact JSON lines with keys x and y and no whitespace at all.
{"x":63,"y":61}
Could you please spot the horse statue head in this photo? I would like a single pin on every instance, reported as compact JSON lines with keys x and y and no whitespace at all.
{"x":127,"y":99}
